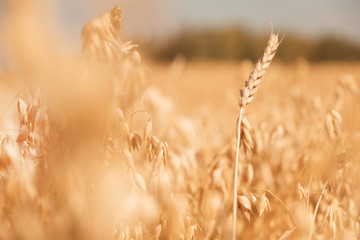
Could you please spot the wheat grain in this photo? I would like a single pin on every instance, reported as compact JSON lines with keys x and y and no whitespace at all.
{"x":246,"y":96}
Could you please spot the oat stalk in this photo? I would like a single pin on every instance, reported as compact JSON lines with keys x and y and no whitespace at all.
{"x":246,"y":96}
{"x":316,"y":209}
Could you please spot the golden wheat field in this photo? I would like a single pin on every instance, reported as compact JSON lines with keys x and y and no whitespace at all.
{"x":111,"y":145}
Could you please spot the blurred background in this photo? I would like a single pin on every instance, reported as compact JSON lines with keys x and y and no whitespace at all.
{"x":209,"y":29}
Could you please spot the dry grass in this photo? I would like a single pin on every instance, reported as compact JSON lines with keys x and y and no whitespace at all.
{"x":110,"y":146}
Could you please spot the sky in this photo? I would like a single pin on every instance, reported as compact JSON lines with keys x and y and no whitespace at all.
{"x":159,"y":18}
{"x":163,"y":18}
{"x":309,"y":17}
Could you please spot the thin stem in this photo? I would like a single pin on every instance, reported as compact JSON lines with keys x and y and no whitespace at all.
{"x":236,"y":173}
{"x":317,"y":208}
{"x":292,"y":216}
{"x":140,"y":111}
{"x":197,"y":225}
{"x":308,"y":195}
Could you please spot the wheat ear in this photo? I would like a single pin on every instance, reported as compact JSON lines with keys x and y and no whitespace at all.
{"x":246,"y":96}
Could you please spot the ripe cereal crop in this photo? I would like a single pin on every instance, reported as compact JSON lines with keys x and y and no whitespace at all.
{"x":114,"y":145}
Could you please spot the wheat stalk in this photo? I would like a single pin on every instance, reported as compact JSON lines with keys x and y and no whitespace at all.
{"x":246,"y":96}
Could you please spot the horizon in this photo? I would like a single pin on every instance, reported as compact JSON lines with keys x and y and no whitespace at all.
{"x":163,"y":20}
{"x":160,"y":18}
